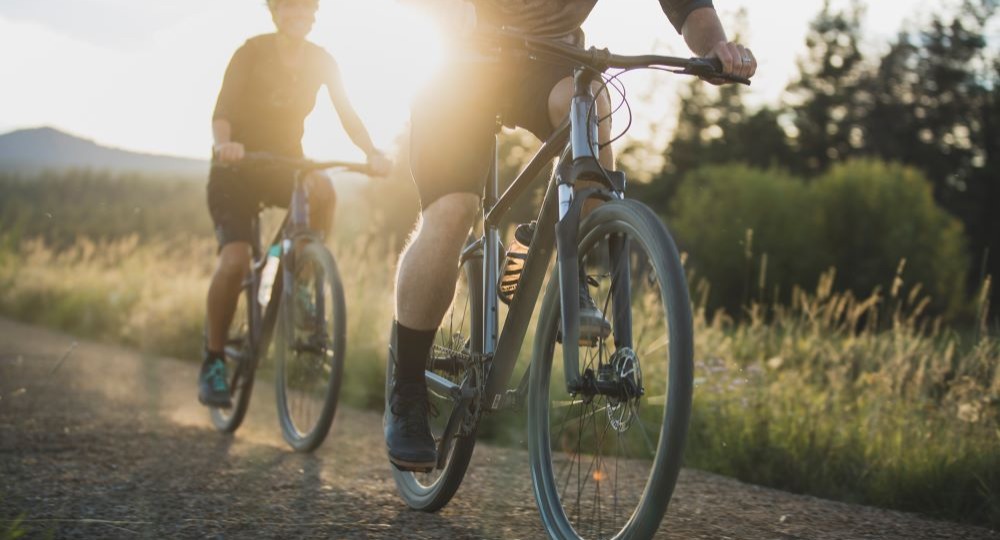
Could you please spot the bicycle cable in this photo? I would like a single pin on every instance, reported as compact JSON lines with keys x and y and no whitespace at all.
{"x":615,"y":82}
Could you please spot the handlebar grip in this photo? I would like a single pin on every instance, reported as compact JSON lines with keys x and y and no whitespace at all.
{"x":711,"y":68}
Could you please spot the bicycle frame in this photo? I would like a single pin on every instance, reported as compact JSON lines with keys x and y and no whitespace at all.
{"x":557,"y":224}
{"x":295,"y":224}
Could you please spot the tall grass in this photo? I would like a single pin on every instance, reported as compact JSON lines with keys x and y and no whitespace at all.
{"x":812,"y":397}
{"x":860,"y":399}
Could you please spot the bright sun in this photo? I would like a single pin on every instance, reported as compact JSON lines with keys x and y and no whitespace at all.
{"x":386,"y":52}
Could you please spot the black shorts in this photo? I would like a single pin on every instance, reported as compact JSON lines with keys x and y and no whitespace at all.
{"x":453,"y":122}
{"x":235,"y":196}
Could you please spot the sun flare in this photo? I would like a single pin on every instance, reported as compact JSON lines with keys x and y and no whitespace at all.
{"x":386,"y":52}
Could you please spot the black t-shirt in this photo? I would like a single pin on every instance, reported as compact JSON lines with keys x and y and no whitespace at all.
{"x":554,"y":18}
{"x":265,"y":101}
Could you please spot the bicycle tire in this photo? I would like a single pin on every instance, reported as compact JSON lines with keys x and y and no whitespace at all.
{"x":429,"y":492}
{"x":310,"y":349}
{"x":242,"y":356}
{"x":632,"y":363}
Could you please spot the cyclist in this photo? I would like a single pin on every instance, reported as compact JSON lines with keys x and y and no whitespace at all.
{"x":269,"y":88}
{"x":452,"y":128}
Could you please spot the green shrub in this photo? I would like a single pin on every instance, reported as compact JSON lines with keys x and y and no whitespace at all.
{"x":872,"y":216}
{"x":746,"y":230}
{"x":754,"y":234}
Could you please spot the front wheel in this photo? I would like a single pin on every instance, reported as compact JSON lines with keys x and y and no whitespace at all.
{"x":310,"y":348}
{"x":605,"y":458}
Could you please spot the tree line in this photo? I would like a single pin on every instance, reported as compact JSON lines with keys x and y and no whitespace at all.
{"x":930,"y":102}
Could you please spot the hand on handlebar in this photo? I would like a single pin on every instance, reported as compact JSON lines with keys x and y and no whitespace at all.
{"x":736,"y":59}
{"x":228,"y":152}
{"x":379,"y":164}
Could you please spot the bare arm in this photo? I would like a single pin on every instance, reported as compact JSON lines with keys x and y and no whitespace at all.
{"x":224,"y":148}
{"x":353,"y":125}
{"x":355,"y":128}
{"x":705,"y":36}
{"x":702,"y":30}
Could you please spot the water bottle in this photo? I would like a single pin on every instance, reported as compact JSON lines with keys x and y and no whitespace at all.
{"x":513,"y":264}
{"x":268,"y":273}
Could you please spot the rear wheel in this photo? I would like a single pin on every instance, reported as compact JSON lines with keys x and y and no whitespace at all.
{"x":241,"y":362}
{"x":310,"y":348}
{"x":605,"y":458}
{"x":454,"y":357}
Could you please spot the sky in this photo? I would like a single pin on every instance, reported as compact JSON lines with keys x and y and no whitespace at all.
{"x":144,"y":75}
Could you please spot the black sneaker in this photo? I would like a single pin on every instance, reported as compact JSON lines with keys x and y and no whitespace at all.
{"x":407,"y":431}
{"x":593,"y":325}
{"x":213,"y":388}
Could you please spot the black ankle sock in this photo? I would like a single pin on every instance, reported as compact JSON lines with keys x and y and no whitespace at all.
{"x":412,"y":349}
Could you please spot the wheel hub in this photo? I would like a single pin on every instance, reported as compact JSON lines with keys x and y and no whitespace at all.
{"x":626,"y":374}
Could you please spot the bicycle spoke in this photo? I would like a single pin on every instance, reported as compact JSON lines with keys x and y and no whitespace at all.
{"x":605,"y":442}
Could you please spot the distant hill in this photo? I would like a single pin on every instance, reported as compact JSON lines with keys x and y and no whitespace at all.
{"x":46,"y":148}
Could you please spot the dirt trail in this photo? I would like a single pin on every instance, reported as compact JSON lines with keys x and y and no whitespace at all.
{"x":102,"y":442}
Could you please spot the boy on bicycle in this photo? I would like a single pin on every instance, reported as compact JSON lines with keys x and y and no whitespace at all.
{"x":269,"y":88}
{"x":453,"y":124}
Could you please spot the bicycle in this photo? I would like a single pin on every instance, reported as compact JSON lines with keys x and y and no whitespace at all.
{"x":294,"y":284}
{"x":628,"y":393}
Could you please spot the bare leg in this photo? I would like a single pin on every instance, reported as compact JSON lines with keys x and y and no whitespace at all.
{"x":425,"y":285}
{"x":428,"y":268}
{"x":322,"y":200}
{"x":224,"y":291}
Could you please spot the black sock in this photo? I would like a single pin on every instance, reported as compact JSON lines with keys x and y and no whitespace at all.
{"x":412,"y":348}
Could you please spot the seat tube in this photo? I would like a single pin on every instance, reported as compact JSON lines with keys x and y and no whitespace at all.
{"x":491,"y":258}
{"x":299,"y":205}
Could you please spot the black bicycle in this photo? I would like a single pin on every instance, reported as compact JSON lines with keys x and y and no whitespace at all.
{"x":294,"y":283}
{"x":608,"y":420}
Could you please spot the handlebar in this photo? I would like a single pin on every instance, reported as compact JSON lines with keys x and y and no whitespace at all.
{"x":304,"y":165}
{"x":601,"y":59}
{"x":301,"y":164}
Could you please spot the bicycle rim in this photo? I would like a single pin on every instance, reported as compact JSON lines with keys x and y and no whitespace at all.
{"x":240,"y":366}
{"x":458,"y":337}
{"x":604,"y":464}
{"x":310,"y":349}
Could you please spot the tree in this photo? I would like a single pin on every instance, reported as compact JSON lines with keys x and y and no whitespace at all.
{"x":714,"y":127}
{"x":829,"y":101}
{"x":936,"y":108}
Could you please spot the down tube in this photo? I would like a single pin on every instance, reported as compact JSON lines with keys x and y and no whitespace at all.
{"x":519,"y":315}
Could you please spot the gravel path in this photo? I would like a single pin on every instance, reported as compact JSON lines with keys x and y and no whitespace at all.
{"x":103,"y":442}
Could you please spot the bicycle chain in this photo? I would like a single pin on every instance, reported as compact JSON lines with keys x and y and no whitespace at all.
{"x":472,"y":366}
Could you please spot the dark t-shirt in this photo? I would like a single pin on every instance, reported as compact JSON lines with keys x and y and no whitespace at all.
{"x":265,"y":101}
{"x":555,"y":18}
